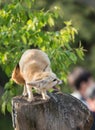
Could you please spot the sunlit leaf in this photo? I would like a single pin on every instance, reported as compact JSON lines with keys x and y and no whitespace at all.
{"x":51,"y":21}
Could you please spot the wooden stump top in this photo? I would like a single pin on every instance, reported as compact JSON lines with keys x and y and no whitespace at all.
{"x":61,"y":112}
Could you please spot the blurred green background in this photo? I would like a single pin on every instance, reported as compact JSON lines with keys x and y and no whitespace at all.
{"x":82,"y":14}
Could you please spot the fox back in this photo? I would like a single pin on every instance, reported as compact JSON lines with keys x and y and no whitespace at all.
{"x":32,"y":62}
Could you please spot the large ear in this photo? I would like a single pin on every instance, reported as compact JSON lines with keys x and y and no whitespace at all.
{"x":35,"y":83}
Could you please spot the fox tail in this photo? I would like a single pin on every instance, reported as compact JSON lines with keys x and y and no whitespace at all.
{"x":16,"y":75}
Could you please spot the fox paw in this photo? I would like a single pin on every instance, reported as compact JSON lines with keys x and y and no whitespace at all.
{"x":24,"y":94}
{"x":46,"y":97}
{"x":30,"y":100}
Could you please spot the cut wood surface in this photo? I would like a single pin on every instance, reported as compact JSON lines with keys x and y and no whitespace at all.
{"x":61,"y":112}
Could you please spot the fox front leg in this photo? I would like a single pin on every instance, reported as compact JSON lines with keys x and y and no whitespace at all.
{"x":25,"y":91}
{"x":44,"y":95}
{"x":30,"y":94}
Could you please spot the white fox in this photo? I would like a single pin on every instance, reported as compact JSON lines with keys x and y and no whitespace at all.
{"x":34,"y":71}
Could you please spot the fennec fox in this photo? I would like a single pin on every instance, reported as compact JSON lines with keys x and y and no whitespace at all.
{"x":33,"y":71}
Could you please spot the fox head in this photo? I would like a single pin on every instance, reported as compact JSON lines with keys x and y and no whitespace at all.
{"x":45,"y":80}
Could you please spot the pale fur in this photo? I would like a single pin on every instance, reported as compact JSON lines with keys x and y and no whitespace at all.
{"x":34,"y":71}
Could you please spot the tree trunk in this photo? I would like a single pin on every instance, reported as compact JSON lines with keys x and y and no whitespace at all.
{"x":61,"y":112}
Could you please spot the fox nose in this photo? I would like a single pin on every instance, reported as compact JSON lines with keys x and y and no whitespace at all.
{"x":60,"y":81}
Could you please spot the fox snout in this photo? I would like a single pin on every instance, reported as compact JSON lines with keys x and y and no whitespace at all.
{"x":59,"y":81}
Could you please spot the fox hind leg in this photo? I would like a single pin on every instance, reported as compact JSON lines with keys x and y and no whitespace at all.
{"x":30,"y":94}
{"x":25,"y":91}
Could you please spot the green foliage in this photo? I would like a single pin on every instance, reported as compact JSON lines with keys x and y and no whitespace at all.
{"x":82,"y":15}
{"x":22,"y":28}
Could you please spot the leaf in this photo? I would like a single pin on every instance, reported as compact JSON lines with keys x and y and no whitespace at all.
{"x":3,"y":107}
{"x":51,"y":21}
{"x":7,"y":70}
{"x":9,"y":107}
{"x":68,"y":23}
{"x":24,"y":39}
{"x":30,"y":25}
{"x":73,"y":57}
{"x":80,"y":53}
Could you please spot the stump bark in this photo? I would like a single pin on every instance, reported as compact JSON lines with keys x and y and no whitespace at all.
{"x":61,"y":112}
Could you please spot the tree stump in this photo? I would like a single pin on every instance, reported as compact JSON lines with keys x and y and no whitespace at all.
{"x":61,"y":112}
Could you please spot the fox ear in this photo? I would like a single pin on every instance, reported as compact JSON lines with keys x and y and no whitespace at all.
{"x":35,"y":83}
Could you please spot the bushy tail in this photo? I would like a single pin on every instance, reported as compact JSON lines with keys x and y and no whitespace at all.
{"x":16,"y":75}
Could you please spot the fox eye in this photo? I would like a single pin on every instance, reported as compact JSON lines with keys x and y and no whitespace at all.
{"x":54,"y":80}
